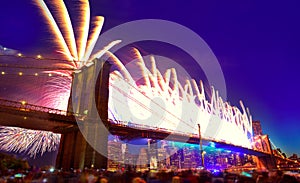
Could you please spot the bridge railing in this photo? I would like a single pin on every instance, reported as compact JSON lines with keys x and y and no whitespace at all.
{"x":31,"y":107}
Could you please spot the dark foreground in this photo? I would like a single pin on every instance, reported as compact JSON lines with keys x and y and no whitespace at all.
{"x":187,"y":176}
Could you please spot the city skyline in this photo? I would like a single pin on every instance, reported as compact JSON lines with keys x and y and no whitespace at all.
{"x":170,"y":155}
{"x":257,"y":91}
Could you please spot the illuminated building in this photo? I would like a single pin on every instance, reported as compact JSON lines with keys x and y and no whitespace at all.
{"x":152,"y":150}
{"x":238,"y":161}
{"x":114,"y":155}
{"x":187,"y":158}
{"x":142,"y":160}
{"x":161,"y":155}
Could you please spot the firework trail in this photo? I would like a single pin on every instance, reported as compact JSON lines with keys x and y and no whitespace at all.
{"x":65,"y":24}
{"x":31,"y":142}
{"x":83,"y":28}
{"x":55,"y":29}
{"x":96,"y":29}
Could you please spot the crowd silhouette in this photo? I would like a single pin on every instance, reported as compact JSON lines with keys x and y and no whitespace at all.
{"x":131,"y":176}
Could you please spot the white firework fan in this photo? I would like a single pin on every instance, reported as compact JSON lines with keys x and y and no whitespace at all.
{"x":31,"y":142}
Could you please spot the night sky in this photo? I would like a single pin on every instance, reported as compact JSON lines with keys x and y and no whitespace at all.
{"x":256,"y":43}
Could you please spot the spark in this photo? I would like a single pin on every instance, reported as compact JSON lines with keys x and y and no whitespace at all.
{"x":59,"y":88}
{"x":31,"y":142}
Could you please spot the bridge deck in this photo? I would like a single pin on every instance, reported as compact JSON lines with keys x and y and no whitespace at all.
{"x":34,"y":117}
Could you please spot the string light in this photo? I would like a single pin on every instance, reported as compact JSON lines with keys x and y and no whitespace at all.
{"x":39,"y":57}
{"x":34,"y":67}
{"x":33,"y":74}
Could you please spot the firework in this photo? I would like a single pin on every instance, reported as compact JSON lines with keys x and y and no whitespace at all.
{"x":77,"y":49}
{"x":31,"y":142}
{"x":75,"y":45}
{"x":149,"y":99}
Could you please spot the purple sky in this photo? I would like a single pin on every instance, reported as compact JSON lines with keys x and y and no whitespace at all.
{"x":256,"y":43}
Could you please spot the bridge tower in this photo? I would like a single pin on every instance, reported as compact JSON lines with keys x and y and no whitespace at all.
{"x":263,"y":144}
{"x":90,"y":88}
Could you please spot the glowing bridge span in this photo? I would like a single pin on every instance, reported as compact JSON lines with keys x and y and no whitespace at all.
{"x":35,"y":117}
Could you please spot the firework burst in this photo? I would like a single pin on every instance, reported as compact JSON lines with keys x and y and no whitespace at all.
{"x":31,"y":142}
{"x":76,"y":46}
{"x":147,"y":98}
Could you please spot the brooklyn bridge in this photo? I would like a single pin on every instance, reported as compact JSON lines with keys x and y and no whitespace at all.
{"x":105,"y":99}
{"x":76,"y":152}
